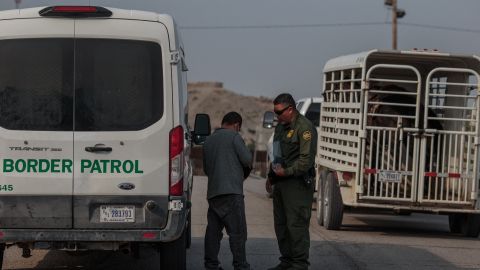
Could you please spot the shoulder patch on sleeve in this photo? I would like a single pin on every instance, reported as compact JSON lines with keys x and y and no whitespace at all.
{"x":307,"y":135}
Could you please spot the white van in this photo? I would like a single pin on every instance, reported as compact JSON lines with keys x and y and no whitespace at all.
{"x":94,"y":143}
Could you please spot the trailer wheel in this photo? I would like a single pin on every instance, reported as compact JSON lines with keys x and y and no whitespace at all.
{"x":470,"y":225}
{"x":173,"y":255}
{"x":320,"y":196}
{"x":332,"y":204}
{"x":2,"y":251}
{"x":454,"y":222}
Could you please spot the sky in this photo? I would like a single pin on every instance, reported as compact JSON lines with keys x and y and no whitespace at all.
{"x":266,"y":47}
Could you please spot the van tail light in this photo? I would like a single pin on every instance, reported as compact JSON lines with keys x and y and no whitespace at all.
{"x":176,"y":161}
{"x":149,"y":235}
{"x":75,"y":11}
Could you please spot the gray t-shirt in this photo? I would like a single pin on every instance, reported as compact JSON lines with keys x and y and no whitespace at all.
{"x":225,"y":158}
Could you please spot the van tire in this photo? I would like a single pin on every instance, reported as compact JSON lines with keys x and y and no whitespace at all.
{"x":2,"y":252}
{"x":135,"y":250}
{"x":470,"y":225}
{"x":320,"y":195}
{"x":332,"y":204}
{"x":173,"y":255}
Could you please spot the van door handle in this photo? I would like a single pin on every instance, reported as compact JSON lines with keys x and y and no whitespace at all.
{"x":98,"y":148}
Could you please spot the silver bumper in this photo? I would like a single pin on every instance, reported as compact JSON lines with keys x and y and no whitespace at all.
{"x":172,"y":231}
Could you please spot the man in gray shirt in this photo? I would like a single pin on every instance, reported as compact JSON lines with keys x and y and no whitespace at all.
{"x":227,"y":162}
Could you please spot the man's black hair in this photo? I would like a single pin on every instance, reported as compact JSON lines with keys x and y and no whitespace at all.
{"x":232,"y":118}
{"x":284,"y":98}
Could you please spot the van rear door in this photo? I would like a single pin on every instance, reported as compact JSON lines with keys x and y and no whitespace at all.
{"x":36,"y":123}
{"x":123,"y":116}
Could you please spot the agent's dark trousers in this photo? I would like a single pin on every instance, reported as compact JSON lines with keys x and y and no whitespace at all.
{"x":226,"y":211}
{"x":292,"y":209}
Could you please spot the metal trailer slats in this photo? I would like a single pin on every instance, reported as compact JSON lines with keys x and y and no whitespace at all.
{"x":411,"y":135}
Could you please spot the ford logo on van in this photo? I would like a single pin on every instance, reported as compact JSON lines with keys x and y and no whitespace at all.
{"x":126,"y":186}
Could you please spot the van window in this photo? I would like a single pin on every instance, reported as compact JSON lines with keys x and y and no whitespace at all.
{"x":36,"y":84}
{"x":313,"y":114}
{"x":118,"y":84}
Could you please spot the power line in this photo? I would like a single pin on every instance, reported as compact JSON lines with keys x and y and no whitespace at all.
{"x":321,"y":25}
{"x":280,"y":26}
{"x":429,"y":26}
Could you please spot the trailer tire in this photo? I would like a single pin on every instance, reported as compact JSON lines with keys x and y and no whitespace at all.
{"x":320,"y":195}
{"x":332,"y":204}
{"x":189,"y":230}
{"x":454,"y":222}
{"x":470,"y":225}
{"x":173,"y":255}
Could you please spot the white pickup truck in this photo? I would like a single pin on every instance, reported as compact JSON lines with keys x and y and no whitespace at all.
{"x":310,"y":107}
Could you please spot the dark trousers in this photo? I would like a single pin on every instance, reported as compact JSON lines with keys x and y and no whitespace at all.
{"x":292,"y":209}
{"x":226,"y":211}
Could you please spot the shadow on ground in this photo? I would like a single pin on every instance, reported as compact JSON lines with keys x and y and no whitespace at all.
{"x":262,"y":254}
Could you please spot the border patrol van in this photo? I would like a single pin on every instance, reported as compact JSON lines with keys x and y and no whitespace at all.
{"x":94,"y":143}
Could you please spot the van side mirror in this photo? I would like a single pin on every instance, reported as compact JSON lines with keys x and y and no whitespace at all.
{"x":268,"y":120}
{"x":201,"y":129}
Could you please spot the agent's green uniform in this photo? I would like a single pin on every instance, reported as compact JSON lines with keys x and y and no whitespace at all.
{"x":292,"y":197}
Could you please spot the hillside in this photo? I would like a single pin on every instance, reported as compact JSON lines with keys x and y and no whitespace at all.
{"x":213,"y":99}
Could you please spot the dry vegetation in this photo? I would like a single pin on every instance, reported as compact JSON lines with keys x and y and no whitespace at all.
{"x":216,"y":101}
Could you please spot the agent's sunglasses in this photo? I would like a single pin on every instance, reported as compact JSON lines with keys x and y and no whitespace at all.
{"x":281,"y":111}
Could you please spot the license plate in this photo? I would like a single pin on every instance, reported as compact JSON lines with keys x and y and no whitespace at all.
{"x":117,"y":213}
{"x":389,"y":176}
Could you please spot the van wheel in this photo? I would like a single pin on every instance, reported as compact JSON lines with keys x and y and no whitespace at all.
{"x":470,"y":225}
{"x":173,"y":255}
{"x":320,"y":195}
{"x":78,"y":253}
{"x":189,"y":230}
{"x":135,"y":250}
{"x":2,"y":251}
{"x":454,"y":222}
{"x":332,"y":204}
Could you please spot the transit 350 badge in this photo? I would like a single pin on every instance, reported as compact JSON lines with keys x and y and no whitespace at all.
{"x":290,"y":133}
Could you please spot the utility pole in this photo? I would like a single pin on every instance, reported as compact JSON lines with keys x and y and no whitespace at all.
{"x":396,"y":14}
{"x":394,"y":24}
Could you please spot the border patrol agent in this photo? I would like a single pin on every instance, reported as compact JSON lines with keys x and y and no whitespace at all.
{"x":291,"y":177}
